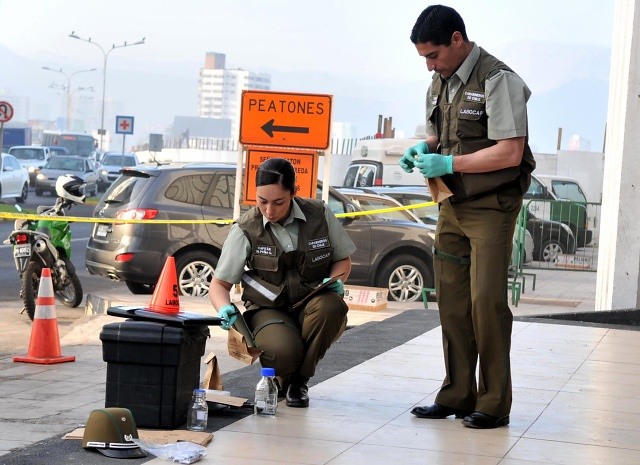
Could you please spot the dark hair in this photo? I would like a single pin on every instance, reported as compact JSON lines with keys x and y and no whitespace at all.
{"x":436,"y":24}
{"x":277,"y":171}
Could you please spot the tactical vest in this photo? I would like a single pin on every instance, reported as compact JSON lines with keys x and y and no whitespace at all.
{"x":461,"y":128}
{"x":276,"y":278}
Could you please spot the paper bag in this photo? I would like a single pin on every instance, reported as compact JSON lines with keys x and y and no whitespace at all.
{"x":212,"y":378}
{"x":439,"y":190}
{"x":240,"y":349}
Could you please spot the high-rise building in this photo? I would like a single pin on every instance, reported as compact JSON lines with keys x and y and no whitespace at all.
{"x":220,"y":90}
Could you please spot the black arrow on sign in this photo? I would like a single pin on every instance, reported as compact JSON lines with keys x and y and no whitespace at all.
{"x":270,"y":128}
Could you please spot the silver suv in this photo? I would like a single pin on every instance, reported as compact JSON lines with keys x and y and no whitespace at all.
{"x":392,"y":254}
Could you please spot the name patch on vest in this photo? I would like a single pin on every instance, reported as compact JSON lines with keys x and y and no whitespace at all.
{"x":320,"y":257}
{"x":321,"y":243}
{"x":269,"y":250}
{"x":473,"y":96}
{"x":471,"y":112}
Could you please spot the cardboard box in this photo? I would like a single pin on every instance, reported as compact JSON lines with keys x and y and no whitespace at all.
{"x":573,"y":262}
{"x":365,"y":298}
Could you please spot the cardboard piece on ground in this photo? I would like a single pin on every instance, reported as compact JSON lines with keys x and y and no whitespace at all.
{"x":438,"y":189}
{"x":239,"y":349}
{"x":225,"y":400}
{"x":158,"y":436}
{"x":212,"y":379}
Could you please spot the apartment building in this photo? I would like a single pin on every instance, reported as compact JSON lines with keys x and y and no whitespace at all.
{"x":220,"y":90}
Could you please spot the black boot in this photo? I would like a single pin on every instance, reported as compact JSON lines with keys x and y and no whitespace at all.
{"x":298,"y":392}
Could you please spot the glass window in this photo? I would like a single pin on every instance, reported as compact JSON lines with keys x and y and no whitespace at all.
{"x":568,"y":191}
{"x":189,"y":189}
{"x":222,"y":194}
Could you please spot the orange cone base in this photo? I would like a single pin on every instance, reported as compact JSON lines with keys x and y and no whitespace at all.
{"x":44,"y":360}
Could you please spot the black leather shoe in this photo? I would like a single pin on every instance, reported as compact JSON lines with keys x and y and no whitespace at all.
{"x":483,"y":421}
{"x":438,"y":411}
{"x":298,"y":394}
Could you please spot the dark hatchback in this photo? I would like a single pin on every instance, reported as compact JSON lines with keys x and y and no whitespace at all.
{"x":194,"y":192}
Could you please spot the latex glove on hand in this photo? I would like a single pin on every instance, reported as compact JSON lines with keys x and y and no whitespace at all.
{"x":432,"y":165}
{"x":229,"y":314}
{"x":337,"y":287}
{"x":409,"y":157}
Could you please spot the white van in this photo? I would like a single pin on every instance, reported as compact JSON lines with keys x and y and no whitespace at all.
{"x":374,"y":162}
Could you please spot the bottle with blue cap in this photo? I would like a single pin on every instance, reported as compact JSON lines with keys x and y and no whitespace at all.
{"x":198,"y":411}
{"x":266,"y":399}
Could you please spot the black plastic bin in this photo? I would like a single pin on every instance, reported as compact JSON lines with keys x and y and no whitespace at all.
{"x":152,"y":369}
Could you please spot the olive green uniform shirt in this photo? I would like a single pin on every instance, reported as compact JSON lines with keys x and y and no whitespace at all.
{"x":237,"y":248}
{"x":506,"y":102}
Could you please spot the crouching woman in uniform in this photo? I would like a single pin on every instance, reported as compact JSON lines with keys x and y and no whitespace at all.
{"x":280,"y":250}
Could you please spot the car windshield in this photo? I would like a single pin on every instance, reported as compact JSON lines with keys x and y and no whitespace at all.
{"x":65,"y":164}
{"x":27,"y":153}
{"x":118,"y":160}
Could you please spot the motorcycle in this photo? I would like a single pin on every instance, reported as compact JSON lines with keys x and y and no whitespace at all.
{"x":46,"y":243}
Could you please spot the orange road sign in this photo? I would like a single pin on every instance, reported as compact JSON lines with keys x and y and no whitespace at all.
{"x":285,"y":119}
{"x":305,"y":164}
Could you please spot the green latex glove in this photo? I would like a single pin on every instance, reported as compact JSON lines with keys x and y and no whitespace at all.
{"x":337,"y":287}
{"x":432,"y":165}
{"x":229,"y":314}
{"x":408,"y":159}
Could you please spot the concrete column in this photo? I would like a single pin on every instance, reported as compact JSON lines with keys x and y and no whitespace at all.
{"x":618,"y":280}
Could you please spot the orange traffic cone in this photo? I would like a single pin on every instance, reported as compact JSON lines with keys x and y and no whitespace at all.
{"x":44,"y":345}
{"x":165,"y":297}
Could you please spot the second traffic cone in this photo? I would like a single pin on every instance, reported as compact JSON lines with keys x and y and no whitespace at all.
{"x":165,"y":296}
{"x":44,"y":345}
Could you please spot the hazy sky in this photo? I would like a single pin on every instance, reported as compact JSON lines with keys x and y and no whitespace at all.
{"x":358,"y":39}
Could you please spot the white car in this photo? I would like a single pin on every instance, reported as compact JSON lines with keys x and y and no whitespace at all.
{"x":14,"y":179}
{"x":110,"y":166}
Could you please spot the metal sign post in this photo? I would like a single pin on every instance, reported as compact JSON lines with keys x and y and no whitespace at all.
{"x":6,"y":113}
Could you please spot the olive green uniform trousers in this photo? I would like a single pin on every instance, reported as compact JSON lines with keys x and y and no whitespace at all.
{"x":293,"y":342}
{"x":471,"y":260}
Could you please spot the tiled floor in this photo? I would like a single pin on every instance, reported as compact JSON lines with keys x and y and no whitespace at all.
{"x":576,"y":402}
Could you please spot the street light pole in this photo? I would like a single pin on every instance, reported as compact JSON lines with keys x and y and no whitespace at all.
{"x":105,"y":54}
{"x":68,"y":89}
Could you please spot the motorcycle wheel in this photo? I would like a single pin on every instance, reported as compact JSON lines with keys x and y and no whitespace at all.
{"x":70,"y":295}
{"x":30,"y":285}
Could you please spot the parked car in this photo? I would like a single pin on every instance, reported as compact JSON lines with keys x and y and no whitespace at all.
{"x":14,"y":179}
{"x":415,"y":195}
{"x":68,"y":164}
{"x":32,"y":157}
{"x":550,"y":238}
{"x":136,"y":253}
{"x":111,"y":164}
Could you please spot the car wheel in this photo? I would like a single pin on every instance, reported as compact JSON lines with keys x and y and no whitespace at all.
{"x":24,"y":194}
{"x":404,"y":276}
{"x":140,"y":288}
{"x":38,"y":192}
{"x":549,"y":250}
{"x":195,"y":272}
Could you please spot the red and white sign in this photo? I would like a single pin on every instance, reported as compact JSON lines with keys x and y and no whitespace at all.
{"x":124,"y":124}
{"x":6,"y":112}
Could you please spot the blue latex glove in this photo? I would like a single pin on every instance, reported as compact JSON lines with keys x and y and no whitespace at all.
{"x":229,"y":314}
{"x":408,"y":159}
{"x":432,"y":165}
{"x":337,"y":287}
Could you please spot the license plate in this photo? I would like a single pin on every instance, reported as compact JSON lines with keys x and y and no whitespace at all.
{"x":21,"y":251}
{"x":102,"y":230}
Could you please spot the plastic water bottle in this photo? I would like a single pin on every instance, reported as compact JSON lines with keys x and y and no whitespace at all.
{"x":266,"y":399}
{"x":198,"y":411}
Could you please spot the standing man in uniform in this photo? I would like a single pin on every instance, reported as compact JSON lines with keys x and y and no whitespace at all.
{"x":477,"y":143}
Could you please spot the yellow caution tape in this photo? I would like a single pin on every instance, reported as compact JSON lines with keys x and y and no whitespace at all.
{"x":83,"y":219}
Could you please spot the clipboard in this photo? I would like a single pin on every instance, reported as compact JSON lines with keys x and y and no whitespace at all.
{"x":317,"y":290}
